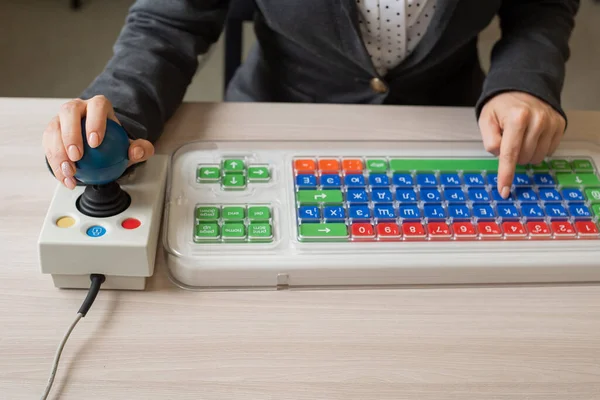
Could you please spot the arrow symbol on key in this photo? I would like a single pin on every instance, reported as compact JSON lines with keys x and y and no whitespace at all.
{"x":209,"y":172}
{"x":233,"y":164}
{"x":259,"y":172}
{"x":233,"y":180}
{"x":320,"y":196}
{"x":326,"y":230}
{"x":578,"y":180}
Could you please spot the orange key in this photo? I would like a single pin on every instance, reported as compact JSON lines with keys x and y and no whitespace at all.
{"x":352,"y":165}
{"x":329,"y":165}
{"x":305,"y":165}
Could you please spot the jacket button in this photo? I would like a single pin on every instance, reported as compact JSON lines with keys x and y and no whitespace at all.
{"x":378,"y":86}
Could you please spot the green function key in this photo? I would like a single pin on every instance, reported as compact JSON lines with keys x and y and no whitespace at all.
{"x":541,"y":167}
{"x":324,"y":231}
{"x":582,"y":166}
{"x":207,"y":231}
{"x":208,"y":174}
{"x":234,"y":181}
{"x":446,"y":165}
{"x":593,"y":194}
{"x":596,"y":209}
{"x":570,"y":180}
{"x":207,"y":213}
{"x":319,"y":196}
{"x":260,"y":231}
{"x":560,"y":165}
{"x":234,"y":231}
{"x":259,"y":213}
{"x":233,"y":213}
{"x":377,"y":165}
{"x":258,"y":174}
{"x":233,"y":165}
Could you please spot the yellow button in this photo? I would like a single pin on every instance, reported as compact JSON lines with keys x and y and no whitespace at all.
{"x":65,"y":222}
{"x":378,"y":85}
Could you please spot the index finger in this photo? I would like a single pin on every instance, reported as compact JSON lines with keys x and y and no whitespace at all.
{"x":510,"y":147}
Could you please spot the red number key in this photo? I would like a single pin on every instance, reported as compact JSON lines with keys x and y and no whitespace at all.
{"x":489,"y":230}
{"x":586,"y":228}
{"x":513,"y":229}
{"x":413,"y":230}
{"x":438,"y":230}
{"x":538,"y":230}
{"x":563,"y":229}
{"x":464,"y":230}
{"x":362,"y":231}
{"x":388,"y":231}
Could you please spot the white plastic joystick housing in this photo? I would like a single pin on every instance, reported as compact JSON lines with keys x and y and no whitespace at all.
{"x":110,"y":224}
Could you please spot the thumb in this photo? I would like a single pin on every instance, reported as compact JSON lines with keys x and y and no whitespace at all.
{"x":140,"y":150}
{"x":491,"y":132}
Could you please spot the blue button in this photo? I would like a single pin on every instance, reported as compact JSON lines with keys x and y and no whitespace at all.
{"x":355,"y":180}
{"x":306,"y":181}
{"x":410,"y":212}
{"x":556,"y":211}
{"x":454,"y":195}
{"x":357,"y":196}
{"x":573,"y":195}
{"x":381,"y":196}
{"x":483,"y":212}
{"x":459,"y":211}
{"x":492,"y":179}
{"x":383,"y":212}
{"x":431,"y":195}
{"x":332,"y":213}
{"x":434,"y":212}
{"x":406,"y":195}
{"x":579,"y":211}
{"x":474,"y":180}
{"x":450,"y":179}
{"x":521,"y":180}
{"x":479,"y":195}
{"x":427,"y":180}
{"x":379,"y":180}
{"x":507,"y":211}
{"x":549,"y":195}
{"x":359,"y":212}
{"x":498,"y":198}
{"x":96,"y":231}
{"x":309,"y":213}
{"x":543,"y":179}
{"x":403,"y":180}
{"x":330,"y":181}
{"x":526,"y":194}
{"x":532,"y":211}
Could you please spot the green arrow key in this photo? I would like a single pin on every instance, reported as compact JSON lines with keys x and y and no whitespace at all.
{"x":208,"y":174}
{"x":258,"y":174}
{"x":333,"y":231}
{"x":234,"y":181}
{"x":566,"y":179}
{"x":320,"y":196}
{"x":233,"y":165}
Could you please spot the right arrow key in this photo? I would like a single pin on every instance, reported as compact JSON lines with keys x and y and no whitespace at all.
{"x":323,"y":231}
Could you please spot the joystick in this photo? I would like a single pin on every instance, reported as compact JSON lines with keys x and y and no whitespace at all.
{"x":99,"y":169}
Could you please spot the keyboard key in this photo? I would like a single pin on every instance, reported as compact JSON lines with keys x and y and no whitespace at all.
{"x":260,"y":231}
{"x":489,"y":230}
{"x":454,"y":195}
{"x":582,"y":166}
{"x":492,"y":179}
{"x":450,"y":180}
{"x":541,"y":167}
{"x":319,"y":196}
{"x":206,"y":231}
{"x":234,"y":231}
{"x":259,"y":213}
{"x":560,"y":165}
{"x":579,"y":211}
{"x":306,"y":181}
{"x":309,"y":213}
{"x":409,"y":212}
{"x":384,"y":212}
{"x":479,"y":195}
{"x":234,"y":181}
{"x":352,"y":165}
{"x":362,"y":231}
{"x":377,"y":165}
{"x":483,"y":211}
{"x":572,"y":195}
{"x":406,"y":196}
{"x":464,"y":230}
{"x":550,"y":195}
{"x":474,"y":180}
{"x":434,"y":212}
{"x":439,"y":230}
{"x":379,"y":180}
{"x":521,"y":180}
{"x":586,"y":228}
{"x":458,"y":211}
{"x":446,"y":165}
{"x":596,"y":209}
{"x":388,"y":231}
{"x":538,"y":230}
{"x":258,"y":173}
{"x":499,"y":199}
{"x":357,"y":196}
{"x":562,"y":229}
{"x":381,"y":196}
{"x":507,"y":211}
{"x":403,"y":180}
{"x":359,"y":212}
{"x":555,"y":211}
{"x":323,"y":231}
{"x":426,"y":180}
{"x":331,"y":181}
{"x":513,"y":229}
{"x":593,"y":194}
{"x":354,"y":181}
{"x":576,"y":180}
{"x":234,"y":213}
{"x":208,"y":213}
{"x":209,"y":174}
{"x":334,"y":213}
{"x":234,"y":165}
{"x":413,"y":230}
{"x":303,"y":166}
{"x":431,"y":195}
{"x":329,"y":165}
{"x":543,"y":179}
{"x":526,"y":194}
{"x":532,"y":211}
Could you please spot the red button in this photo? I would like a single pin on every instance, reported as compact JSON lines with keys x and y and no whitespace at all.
{"x":538,"y":229}
{"x":131,"y":223}
{"x":513,"y":229}
{"x":362,"y":230}
{"x":489,"y":229}
{"x":413,"y":230}
{"x":464,"y":230}
{"x":586,"y":228}
{"x":563,"y":229}
{"x":438,"y":230}
{"x":388,"y":230}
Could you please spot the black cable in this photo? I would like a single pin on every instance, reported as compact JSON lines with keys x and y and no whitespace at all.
{"x":97,"y":281}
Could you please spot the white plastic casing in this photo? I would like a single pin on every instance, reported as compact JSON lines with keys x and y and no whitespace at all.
{"x":287,"y":262}
{"x":125,"y":256}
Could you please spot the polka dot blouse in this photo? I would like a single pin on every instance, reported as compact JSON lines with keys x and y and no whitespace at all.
{"x":391,"y":29}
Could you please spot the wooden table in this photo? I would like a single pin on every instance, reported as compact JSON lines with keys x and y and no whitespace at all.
{"x":484,"y":343}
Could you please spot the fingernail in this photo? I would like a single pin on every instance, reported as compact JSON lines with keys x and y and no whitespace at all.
{"x":93,"y":139}
{"x":66,"y":169}
{"x":138,"y":153}
{"x":69,"y":182}
{"x":73,"y":152}
{"x":505,"y":192}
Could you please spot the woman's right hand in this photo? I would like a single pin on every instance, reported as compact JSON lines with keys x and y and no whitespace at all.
{"x":63,"y":144}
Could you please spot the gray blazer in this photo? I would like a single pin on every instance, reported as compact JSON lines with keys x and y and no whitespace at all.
{"x":312,"y":51}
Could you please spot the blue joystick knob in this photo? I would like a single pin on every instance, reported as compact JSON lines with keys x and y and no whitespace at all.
{"x":107,"y":162}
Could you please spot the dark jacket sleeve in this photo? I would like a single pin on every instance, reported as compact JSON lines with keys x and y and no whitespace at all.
{"x":532,"y":53}
{"x":155,"y":58}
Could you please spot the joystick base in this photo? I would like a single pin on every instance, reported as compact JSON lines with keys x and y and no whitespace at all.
{"x":103,"y":201}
